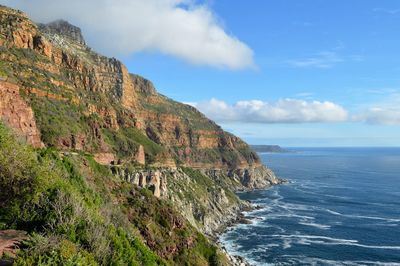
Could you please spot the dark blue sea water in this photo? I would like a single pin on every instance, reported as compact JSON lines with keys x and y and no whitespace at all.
{"x":341,"y":207}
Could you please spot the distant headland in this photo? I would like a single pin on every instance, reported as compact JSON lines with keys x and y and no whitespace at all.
{"x":269,"y":148}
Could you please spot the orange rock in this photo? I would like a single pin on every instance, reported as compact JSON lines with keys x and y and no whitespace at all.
{"x":104,"y":158}
{"x":9,"y":240}
{"x":17,"y":114}
{"x":140,"y":156}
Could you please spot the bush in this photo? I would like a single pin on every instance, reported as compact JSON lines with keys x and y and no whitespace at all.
{"x":68,"y":205}
{"x":22,"y":178}
{"x":42,"y":250}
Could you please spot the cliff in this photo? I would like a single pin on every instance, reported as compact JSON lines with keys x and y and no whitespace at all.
{"x":17,"y":114}
{"x":57,"y":93}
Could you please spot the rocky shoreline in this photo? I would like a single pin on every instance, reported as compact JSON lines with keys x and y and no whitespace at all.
{"x":241,"y":218}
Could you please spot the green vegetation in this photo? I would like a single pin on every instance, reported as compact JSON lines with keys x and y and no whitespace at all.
{"x":126,"y":141}
{"x":57,"y":119}
{"x":169,"y":234}
{"x":189,"y":115}
{"x":198,"y":191}
{"x":66,"y":205}
{"x":74,"y":210}
{"x":205,"y":185}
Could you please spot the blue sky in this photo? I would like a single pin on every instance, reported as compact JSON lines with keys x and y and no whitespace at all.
{"x":362,"y":35}
{"x":295,"y":72}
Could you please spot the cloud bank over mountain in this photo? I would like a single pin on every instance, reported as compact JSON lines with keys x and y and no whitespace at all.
{"x":181,"y":28}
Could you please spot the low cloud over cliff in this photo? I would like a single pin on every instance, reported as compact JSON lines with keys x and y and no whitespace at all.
{"x":180,"y":28}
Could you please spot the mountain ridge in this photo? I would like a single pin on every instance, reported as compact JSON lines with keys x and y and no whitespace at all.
{"x":80,"y":103}
{"x":164,"y":121}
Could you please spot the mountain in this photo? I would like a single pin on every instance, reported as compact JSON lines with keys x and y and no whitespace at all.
{"x":90,"y":119}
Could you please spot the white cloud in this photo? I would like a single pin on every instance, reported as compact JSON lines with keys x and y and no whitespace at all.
{"x":380,"y":116}
{"x":385,"y":113}
{"x":181,"y":28}
{"x":306,"y":95}
{"x":320,"y":60}
{"x":387,"y":10}
{"x":325,"y":59}
{"x":282,"y":111}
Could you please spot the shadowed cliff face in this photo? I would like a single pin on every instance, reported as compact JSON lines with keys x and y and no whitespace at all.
{"x":84,"y":101}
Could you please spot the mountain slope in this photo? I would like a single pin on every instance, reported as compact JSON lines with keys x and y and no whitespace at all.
{"x":95,"y":97}
{"x":78,"y":213}
{"x":57,"y":93}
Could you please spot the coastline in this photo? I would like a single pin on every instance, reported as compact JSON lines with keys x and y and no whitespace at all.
{"x":241,"y":218}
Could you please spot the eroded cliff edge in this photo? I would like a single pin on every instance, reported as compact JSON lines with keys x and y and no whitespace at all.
{"x":76,"y":100}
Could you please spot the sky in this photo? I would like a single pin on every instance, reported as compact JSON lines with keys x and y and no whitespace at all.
{"x":286,"y":72}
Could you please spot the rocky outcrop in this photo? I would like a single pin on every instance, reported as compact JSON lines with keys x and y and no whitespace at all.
{"x":255,"y":177}
{"x":207,"y":205}
{"x":64,"y":28}
{"x":17,"y":114}
{"x":64,"y":45}
{"x":140,"y":155}
{"x":15,"y":29}
{"x":246,"y":179}
{"x":155,"y":180}
{"x":105,"y":158}
{"x":109,"y":115}
{"x":143,"y":85}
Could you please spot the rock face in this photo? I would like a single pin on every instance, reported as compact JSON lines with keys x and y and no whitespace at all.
{"x":104,"y":158}
{"x":98,"y":86}
{"x":63,"y":28}
{"x":80,"y":100}
{"x":207,"y":205}
{"x":140,"y":156}
{"x":254,"y":177}
{"x":16,"y":113}
{"x":155,"y":180}
{"x":143,"y":85}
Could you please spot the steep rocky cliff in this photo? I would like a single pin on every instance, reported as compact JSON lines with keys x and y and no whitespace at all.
{"x":17,"y":114}
{"x":56,"y":92}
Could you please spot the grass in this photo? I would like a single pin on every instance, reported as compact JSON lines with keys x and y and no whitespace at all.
{"x":57,"y":119}
{"x":126,"y":141}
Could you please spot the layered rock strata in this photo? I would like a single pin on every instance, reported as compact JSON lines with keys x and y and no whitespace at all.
{"x":55,"y":91}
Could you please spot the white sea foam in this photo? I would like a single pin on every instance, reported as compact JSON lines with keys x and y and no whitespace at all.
{"x":319,"y":226}
{"x":324,"y":240}
{"x":318,"y":261}
{"x":297,"y":207}
{"x":311,"y":191}
{"x":374,"y":218}
{"x":333,"y":212}
{"x":287,"y":243}
{"x":298,"y":236}
{"x":364,"y":217}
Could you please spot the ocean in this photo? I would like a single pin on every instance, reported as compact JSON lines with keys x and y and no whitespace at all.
{"x":340,"y":207}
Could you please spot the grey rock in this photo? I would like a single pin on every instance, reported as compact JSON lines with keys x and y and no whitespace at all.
{"x":64,"y":29}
